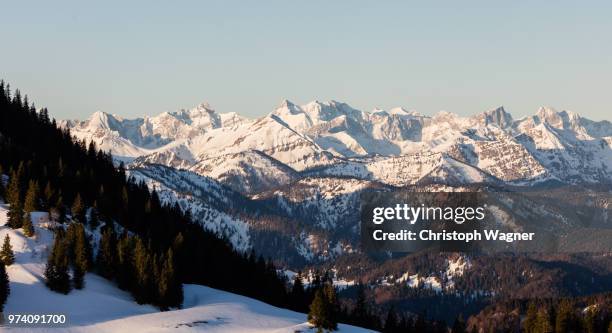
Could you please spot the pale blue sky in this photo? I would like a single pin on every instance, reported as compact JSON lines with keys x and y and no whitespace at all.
{"x":145,"y":57}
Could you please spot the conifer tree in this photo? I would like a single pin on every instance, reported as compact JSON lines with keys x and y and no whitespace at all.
{"x":360,"y":313}
{"x":332,"y":303}
{"x":78,"y":209}
{"x":56,"y":272}
{"x":6,"y":254}
{"x":28,"y":227}
{"x":48,"y":195}
{"x":124,"y":261}
{"x":5,"y":288}
{"x":94,"y":216}
{"x":13,"y":198}
{"x":106,"y":258}
{"x":318,"y":314}
{"x":31,"y":203}
{"x":530,"y":323}
{"x":564,"y":320}
{"x":297,"y":293}
{"x":170,"y":289}
{"x":142,"y":269}
{"x":82,"y":254}
{"x":544,"y":322}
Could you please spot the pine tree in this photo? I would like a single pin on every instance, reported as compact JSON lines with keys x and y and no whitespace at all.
{"x":6,"y":254}
{"x":48,"y":195}
{"x":142,"y":267}
{"x":5,"y":288}
{"x":56,"y":272}
{"x":13,"y":191}
{"x":28,"y":227}
{"x":82,"y":254}
{"x":168,"y":285}
{"x":531,"y":319}
{"x":317,"y":315}
{"x":564,"y":321}
{"x":31,"y":203}
{"x":106,"y":258}
{"x":297,"y":293}
{"x":78,"y":209}
{"x":13,"y":197}
{"x":544,"y":322}
{"x":360,"y":313}
{"x":333,"y":306}
{"x":94,"y":216}
{"x":124,"y":261}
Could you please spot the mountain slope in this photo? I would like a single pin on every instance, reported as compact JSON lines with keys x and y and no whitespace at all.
{"x":204,"y":309}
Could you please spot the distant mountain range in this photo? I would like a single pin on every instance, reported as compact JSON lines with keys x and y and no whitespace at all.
{"x":395,"y":147}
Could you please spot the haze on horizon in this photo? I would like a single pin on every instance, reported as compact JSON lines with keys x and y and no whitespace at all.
{"x":144,"y":58}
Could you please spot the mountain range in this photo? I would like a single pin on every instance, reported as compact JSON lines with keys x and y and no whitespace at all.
{"x":332,"y":139}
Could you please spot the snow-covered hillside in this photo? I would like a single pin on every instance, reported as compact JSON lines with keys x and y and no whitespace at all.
{"x":101,"y":307}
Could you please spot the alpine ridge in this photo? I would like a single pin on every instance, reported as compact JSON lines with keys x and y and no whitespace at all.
{"x":396,"y":147}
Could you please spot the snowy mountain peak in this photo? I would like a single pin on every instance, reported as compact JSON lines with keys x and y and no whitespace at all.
{"x":497,"y":116}
{"x":102,"y":120}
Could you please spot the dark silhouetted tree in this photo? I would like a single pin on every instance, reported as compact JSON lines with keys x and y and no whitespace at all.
{"x":6,"y":254}
{"x":5,"y":288}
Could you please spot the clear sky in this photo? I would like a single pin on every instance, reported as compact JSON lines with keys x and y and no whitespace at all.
{"x":144,"y":57}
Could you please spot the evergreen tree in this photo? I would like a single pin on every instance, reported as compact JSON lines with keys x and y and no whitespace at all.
{"x":6,"y":254}
{"x":5,"y":288}
{"x":78,"y":209}
{"x":124,"y":261}
{"x":297,"y":293}
{"x":565,"y":319}
{"x":56,"y":272}
{"x":31,"y":202}
{"x":544,"y":322}
{"x":106,"y":258}
{"x":81,"y":255}
{"x":318,"y":315}
{"x":169,"y":287}
{"x":48,"y":195}
{"x":142,"y":270}
{"x":28,"y":227}
{"x":13,"y":197}
{"x":360,"y":313}
{"x":530,"y":325}
{"x":333,"y":306}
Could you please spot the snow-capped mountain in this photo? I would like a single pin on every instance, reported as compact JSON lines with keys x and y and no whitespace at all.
{"x":396,"y":147}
